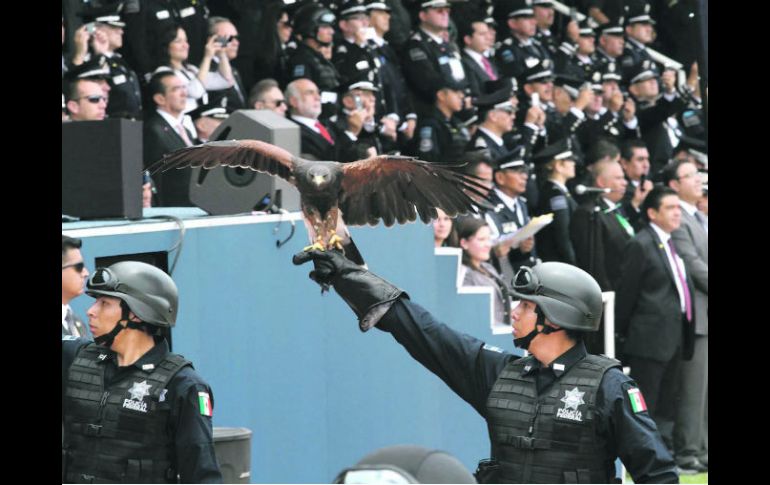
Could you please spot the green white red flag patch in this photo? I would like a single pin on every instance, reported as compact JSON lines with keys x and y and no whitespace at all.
{"x":204,"y":401}
{"x":637,"y":400}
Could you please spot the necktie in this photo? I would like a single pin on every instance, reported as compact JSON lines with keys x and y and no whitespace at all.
{"x":70,"y":319}
{"x":685,"y":289}
{"x":324,"y":133}
{"x":624,"y":222}
{"x":183,"y":133}
{"x":703,"y":221}
{"x":488,"y":68}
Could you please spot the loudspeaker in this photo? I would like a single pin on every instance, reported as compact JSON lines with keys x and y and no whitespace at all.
{"x":227,"y":190}
{"x":232,"y":447}
{"x":101,"y":169}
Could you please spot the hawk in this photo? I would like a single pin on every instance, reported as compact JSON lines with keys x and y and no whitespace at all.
{"x":385,"y":187}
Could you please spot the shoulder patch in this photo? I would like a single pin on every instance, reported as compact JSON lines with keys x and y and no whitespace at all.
{"x":204,"y":403}
{"x":627,"y":62}
{"x":507,"y":56}
{"x":426,"y":139}
{"x":342,"y":49}
{"x":558,"y":203}
{"x":637,"y":400}
{"x":361,"y":65}
{"x":480,"y":143}
{"x":299,"y":70}
{"x":417,"y":54}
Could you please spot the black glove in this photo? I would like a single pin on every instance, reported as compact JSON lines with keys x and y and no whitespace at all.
{"x":367,"y":294}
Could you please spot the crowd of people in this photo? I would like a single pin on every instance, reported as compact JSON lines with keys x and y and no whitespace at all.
{"x":567,"y":115}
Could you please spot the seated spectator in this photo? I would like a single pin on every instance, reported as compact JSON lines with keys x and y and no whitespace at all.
{"x":173,"y":50}
{"x":86,"y":101}
{"x":474,"y":34}
{"x":273,"y":38}
{"x":267,"y":95}
{"x":165,"y":130}
{"x":474,"y":236}
{"x":356,"y":122}
{"x":444,"y":234}
{"x":224,"y":80}
{"x":317,"y":140}
{"x":94,"y":69}
{"x":496,"y":120}
{"x":635,"y":160}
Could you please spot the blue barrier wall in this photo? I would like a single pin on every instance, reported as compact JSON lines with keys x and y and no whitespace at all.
{"x":291,"y":364}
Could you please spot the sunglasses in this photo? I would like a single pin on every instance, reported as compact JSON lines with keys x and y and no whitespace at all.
{"x":103,"y":279}
{"x":79,"y":267}
{"x":94,"y":99}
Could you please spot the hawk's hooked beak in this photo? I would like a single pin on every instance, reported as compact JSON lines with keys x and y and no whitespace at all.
{"x":318,"y":180}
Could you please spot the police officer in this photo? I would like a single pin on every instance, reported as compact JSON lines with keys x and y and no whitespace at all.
{"x":354,"y":56}
{"x":429,"y":61}
{"x":559,"y":415}
{"x":496,"y":114}
{"x":133,"y":411}
{"x":638,"y":35}
{"x":611,"y":42}
{"x":556,"y":165}
{"x":521,"y":50}
{"x":511,"y":177}
{"x":125,"y":94}
{"x":440,"y":137}
{"x":544,"y":16}
{"x":314,"y":27}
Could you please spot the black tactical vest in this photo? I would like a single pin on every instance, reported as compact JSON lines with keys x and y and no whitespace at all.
{"x":119,"y":434}
{"x":549,"y":438}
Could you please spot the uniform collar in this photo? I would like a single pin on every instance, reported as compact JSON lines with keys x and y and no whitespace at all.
{"x":561,"y":364}
{"x":436,"y":38}
{"x":150,"y":360}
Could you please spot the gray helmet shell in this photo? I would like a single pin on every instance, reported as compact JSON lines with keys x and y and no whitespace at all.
{"x":148,"y":291}
{"x":425,"y":465}
{"x":568,"y":296}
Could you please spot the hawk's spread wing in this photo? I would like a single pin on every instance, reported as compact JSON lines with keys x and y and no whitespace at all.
{"x":395,"y":188}
{"x":252,"y":154}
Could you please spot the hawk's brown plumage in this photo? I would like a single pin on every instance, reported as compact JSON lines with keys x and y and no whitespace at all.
{"x":388,"y":188}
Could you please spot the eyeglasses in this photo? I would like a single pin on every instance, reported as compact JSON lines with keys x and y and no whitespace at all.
{"x":94,"y":99}
{"x":79,"y":266}
{"x":103,"y":279}
{"x":232,"y":38}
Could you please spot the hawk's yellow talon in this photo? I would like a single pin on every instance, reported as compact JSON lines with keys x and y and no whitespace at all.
{"x":316,"y":245}
{"x":336,"y":241}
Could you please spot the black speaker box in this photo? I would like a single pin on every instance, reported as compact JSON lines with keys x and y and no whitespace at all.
{"x":101,"y":165}
{"x":227,"y":190}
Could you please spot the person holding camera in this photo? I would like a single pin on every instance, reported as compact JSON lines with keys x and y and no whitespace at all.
{"x":133,"y":411}
{"x":560,"y":415}
{"x":223,"y":80}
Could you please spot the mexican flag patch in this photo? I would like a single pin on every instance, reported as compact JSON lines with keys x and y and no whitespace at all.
{"x":637,"y":400}
{"x":204,"y":401}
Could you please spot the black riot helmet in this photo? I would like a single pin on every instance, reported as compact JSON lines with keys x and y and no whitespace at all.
{"x":147,"y":291}
{"x":568,"y":296}
{"x":309,"y":18}
{"x":406,"y":464}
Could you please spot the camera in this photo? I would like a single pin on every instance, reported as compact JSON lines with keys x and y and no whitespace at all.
{"x":91,"y":28}
{"x":359,"y":103}
{"x":223,"y":40}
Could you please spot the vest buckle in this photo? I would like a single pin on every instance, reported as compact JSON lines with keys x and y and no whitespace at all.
{"x":523,"y":442}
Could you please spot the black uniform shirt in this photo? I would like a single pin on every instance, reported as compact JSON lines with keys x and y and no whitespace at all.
{"x":470,"y":368}
{"x":194,"y":458}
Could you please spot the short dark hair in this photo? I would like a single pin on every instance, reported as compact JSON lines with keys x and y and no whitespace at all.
{"x":156,"y":85}
{"x":68,"y":243}
{"x":671,"y":170}
{"x":627,"y":148}
{"x":260,"y":89}
{"x":603,"y":147}
{"x":465,"y":27}
{"x":654,"y":199}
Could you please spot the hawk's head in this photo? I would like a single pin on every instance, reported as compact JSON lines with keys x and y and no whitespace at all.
{"x":319,"y":176}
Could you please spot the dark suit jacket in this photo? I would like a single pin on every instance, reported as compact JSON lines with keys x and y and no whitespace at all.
{"x":553,"y":241}
{"x":161,"y":138}
{"x":476,"y":74}
{"x":608,"y":237}
{"x":316,"y":146}
{"x":80,"y":326}
{"x":647,"y":311}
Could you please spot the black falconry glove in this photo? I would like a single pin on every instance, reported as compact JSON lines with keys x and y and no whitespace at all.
{"x":368,"y":295}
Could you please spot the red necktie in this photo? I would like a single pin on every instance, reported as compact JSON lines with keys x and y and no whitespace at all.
{"x":686,"y":290}
{"x":488,"y":68}
{"x":324,"y":133}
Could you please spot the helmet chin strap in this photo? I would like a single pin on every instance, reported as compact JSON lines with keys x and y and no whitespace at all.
{"x":107,"y":339}
{"x":523,"y":342}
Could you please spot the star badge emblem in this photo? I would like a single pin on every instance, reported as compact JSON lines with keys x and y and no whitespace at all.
{"x":139,"y":390}
{"x":572,"y":399}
